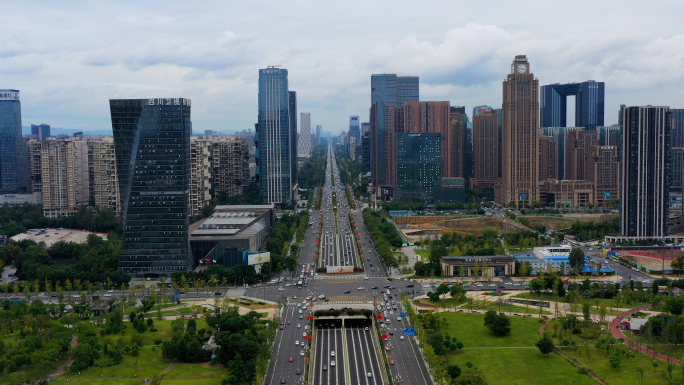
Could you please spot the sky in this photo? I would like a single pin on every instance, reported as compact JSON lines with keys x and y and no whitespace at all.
{"x":68,"y":58}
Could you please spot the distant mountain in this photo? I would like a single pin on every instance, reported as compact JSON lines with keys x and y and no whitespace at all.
{"x":54,"y":131}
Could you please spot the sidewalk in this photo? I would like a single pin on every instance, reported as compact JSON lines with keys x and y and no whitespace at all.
{"x":617,"y":333}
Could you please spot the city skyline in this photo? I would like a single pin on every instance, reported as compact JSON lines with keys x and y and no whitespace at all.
{"x":210,"y":52}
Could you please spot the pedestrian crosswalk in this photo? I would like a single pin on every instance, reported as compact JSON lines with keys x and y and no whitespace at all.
{"x":340,"y":276}
{"x":330,"y":303}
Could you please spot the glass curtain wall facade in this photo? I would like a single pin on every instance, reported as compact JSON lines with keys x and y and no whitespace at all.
{"x":589,"y":104}
{"x":419,"y":166}
{"x":152,"y":149}
{"x":275,"y":143}
{"x":646,"y":172}
{"x":13,"y":151}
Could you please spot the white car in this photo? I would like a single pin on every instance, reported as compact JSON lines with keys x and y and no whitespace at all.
{"x":281,"y":289}
{"x":401,"y":337}
{"x":332,"y":353}
{"x":299,"y":326}
{"x":288,"y":285}
{"x":297,"y":343}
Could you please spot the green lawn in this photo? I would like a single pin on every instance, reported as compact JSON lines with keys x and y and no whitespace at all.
{"x":149,"y":364}
{"x":627,"y":372}
{"x":508,"y":360}
{"x":425,"y":254}
{"x":203,"y":370}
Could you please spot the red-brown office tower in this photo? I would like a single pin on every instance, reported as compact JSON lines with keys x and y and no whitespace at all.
{"x":429,"y":117}
{"x":520,"y":131}
{"x":580,"y":150}
{"x":456,"y":138}
{"x":485,"y":149}
{"x":547,"y":158}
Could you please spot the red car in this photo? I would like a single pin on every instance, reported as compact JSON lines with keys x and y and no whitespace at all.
{"x":290,"y":359}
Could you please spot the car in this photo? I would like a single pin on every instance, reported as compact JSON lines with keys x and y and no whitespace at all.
{"x":327,"y":300}
{"x":288,"y":322}
{"x":360,"y":288}
{"x":299,"y":325}
{"x":294,"y":297}
{"x":107,"y":295}
{"x":283,"y":380}
{"x":332,"y":363}
{"x":281,"y":289}
{"x":290,"y":359}
{"x":409,"y":285}
{"x":332,"y":353}
{"x":325,"y":367}
{"x":301,"y":316}
{"x":398,"y":318}
{"x":492,"y":285}
{"x":288,"y":285}
{"x":516,"y":284}
{"x":374,"y":287}
{"x":369,"y":375}
{"x":401,"y":337}
{"x":366,"y":277}
{"x":301,"y":353}
{"x":347,"y":291}
{"x":296,"y":343}
{"x":391,"y":332}
{"x":366,"y":328}
{"x":392,"y":362}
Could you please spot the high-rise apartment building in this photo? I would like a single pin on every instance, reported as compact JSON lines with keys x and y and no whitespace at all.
{"x":677,"y":169}
{"x":319,"y":131}
{"x":485,"y":148}
{"x":354,"y":128}
{"x":365,"y":148}
{"x":200,"y":169}
{"x":589,"y":104}
{"x":65,"y":176}
{"x":646,"y":173}
{"x":677,"y":127}
{"x":152,"y":147}
{"x":292,"y":95}
{"x":547,"y":158}
{"x":389,"y":92}
{"x":419,"y":166}
{"x":606,"y":174}
{"x":305,"y":134}
{"x":13,"y":152}
{"x":35,"y":166}
{"x":558,"y":134}
{"x":229,"y":159}
{"x":420,"y":117}
{"x":104,"y":179}
{"x":277,"y":159}
{"x":457,"y":142}
{"x":520,"y":128}
{"x":580,"y":150}
{"x":40,"y":131}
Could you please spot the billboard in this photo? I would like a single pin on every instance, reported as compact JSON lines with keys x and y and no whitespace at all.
{"x":339,"y":269}
{"x":258,"y":258}
{"x":606,"y":195}
{"x":523,"y":197}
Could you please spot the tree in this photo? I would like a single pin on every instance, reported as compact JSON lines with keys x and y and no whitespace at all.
{"x":472,"y":377}
{"x":614,"y":361}
{"x":454,"y":371}
{"x":675,"y":305}
{"x":499,"y":324}
{"x":545,"y":345}
{"x":457,"y":292}
{"x":576,"y":258}
{"x":442,"y":289}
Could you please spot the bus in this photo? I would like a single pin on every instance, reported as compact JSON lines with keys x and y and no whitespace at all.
{"x":301,"y":282}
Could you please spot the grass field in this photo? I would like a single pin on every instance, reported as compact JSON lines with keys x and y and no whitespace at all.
{"x":424,"y":254}
{"x":510,"y":360}
{"x":149,"y":364}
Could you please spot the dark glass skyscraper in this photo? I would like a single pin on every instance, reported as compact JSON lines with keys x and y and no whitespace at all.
{"x":589,"y":104}
{"x":646,"y":172}
{"x":276,"y":137}
{"x":388,"y":94}
{"x":40,"y":131}
{"x":152,"y":148}
{"x":354,"y":129}
{"x":13,"y":152}
{"x":419,"y":166}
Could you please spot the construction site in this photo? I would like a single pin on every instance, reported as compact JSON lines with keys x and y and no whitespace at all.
{"x":416,"y":227}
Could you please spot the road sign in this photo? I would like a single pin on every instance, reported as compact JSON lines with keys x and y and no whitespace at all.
{"x":409,"y":331}
{"x":402,"y":314}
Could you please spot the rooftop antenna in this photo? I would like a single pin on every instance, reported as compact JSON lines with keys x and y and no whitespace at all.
{"x":275,"y":66}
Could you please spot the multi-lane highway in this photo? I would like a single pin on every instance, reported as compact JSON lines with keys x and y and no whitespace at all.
{"x":356,"y":349}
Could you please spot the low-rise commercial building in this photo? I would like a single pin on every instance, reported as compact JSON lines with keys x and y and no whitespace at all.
{"x":478,"y":266}
{"x":231,"y":233}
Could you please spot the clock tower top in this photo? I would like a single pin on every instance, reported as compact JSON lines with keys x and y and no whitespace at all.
{"x":520,"y":65}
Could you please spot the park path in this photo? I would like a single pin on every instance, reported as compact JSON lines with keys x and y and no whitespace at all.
{"x":617,"y":333}
{"x":62,"y":369}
